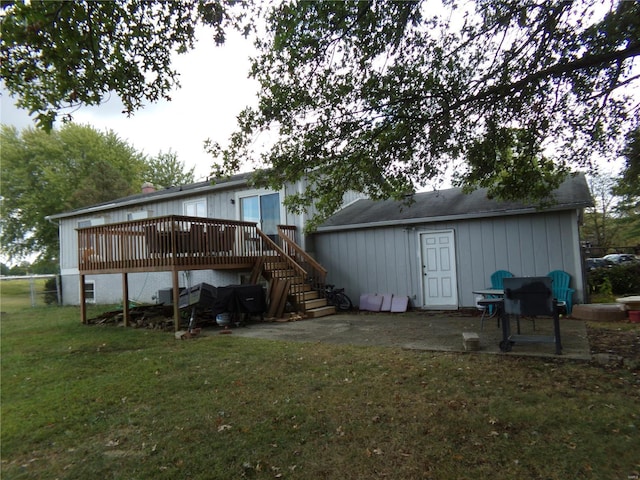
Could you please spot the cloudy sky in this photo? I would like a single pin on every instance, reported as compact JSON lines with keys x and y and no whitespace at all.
{"x":215,"y":88}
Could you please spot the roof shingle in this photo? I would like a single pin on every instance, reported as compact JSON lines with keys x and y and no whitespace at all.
{"x":450,"y":204}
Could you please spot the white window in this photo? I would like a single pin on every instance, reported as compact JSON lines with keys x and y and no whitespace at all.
{"x":195,"y":208}
{"x":89,"y":247}
{"x":139,"y":215}
{"x":91,"y":222}
{"x":90,"y":291}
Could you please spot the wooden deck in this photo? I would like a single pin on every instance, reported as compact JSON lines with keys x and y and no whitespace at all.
{"x":169,"y":243}
{"x":179,"y":243}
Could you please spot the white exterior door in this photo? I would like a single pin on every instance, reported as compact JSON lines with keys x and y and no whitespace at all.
{"x":438,"y":262}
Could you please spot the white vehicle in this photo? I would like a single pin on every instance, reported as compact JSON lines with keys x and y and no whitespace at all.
{"x":619,"y":258}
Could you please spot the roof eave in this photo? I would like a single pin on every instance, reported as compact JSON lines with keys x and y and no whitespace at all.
{"x":447,"y":218}
{"x":147,"y":200}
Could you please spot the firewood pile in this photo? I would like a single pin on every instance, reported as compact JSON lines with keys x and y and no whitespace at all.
{"x":287,"y":317}
{"x":155,"y":317}
{"x":160,"y":317}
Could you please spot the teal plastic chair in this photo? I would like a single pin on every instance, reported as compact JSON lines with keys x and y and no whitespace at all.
{"x":496,"y":283}
{"x":560,"y":286}
{"x":498,"y":276}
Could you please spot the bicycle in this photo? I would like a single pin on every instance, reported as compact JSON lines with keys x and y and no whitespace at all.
{"x":337,"y":298}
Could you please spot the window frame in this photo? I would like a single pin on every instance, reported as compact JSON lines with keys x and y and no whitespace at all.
{"x":259,"y":193}
{"x":91,"y":300}
{"x":138,"y":215}
{"x":91,"y":222}
{"x":195,"y":201}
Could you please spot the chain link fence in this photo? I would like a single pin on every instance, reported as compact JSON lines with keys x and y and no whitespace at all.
{"x":31,"y":290}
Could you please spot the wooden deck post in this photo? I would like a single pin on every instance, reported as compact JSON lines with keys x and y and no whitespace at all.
{"x":83,"y":301}
{"x":125,"y":298}
{"x":176,"y":300}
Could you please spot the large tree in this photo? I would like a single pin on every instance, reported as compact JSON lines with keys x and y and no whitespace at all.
{"x":47,"y":173}
{"x":57,"y":55}
{"x":44,"y":173}
{"x":628,"y":188}
{"x":165,"y":170}
{"x":384,"y":96}
{"x":375,"y":96}
{"x":601,"y":227}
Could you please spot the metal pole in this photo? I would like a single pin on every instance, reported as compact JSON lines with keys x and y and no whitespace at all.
{"x":125,"y":298}
{"x":32,"y":287}
{"x":58,"y":290}
{"x":83,"y":300}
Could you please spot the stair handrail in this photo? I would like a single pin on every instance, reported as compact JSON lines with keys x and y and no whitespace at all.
{"x":319,"y":272}
{"x":281,"y":253}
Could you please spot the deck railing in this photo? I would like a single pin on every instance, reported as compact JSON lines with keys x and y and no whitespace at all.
{"x":316,"y":273}
{"x":276,"y":255}
{"x":164,"y":243}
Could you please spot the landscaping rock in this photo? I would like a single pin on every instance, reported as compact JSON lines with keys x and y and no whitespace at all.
{"x":471,"y":341}
{"x":607,"y":359}
{"x":599,"y":312}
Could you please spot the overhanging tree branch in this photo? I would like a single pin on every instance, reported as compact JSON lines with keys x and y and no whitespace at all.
{"x":554,"y":71}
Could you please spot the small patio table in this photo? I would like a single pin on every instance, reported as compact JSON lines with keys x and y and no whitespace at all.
{"x":498,"y":292}
{"x":492,"y":300}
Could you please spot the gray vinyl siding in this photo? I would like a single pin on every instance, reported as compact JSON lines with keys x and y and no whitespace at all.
{"x":387,"y":259}
{"x":143,"y":287}
{"x":369,"y":260}
{"x":221,"y":203}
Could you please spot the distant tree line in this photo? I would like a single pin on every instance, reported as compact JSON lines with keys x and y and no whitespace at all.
{"x":68,"y":168}
{"x":28,"y":268}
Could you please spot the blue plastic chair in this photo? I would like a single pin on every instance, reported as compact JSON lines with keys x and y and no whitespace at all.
{"x":560,"y":286}
{"x":496,"y":283}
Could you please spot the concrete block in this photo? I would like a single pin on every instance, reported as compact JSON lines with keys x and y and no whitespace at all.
{"x":471,"y":341}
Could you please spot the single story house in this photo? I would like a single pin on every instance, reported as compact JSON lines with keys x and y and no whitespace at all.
{"x":436,"y":250}
{"x":446,"y":244}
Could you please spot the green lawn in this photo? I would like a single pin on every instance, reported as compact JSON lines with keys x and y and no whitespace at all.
{"x":84,"y":402}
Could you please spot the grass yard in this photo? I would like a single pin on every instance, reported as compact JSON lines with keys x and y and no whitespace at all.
{"x":84,"y":402}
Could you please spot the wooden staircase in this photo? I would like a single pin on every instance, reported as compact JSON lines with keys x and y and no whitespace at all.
{"x":303,"y":296}
{"x":303,"y":277}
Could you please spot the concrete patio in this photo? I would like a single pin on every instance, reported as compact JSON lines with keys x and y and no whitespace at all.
{"x":422,"y":330}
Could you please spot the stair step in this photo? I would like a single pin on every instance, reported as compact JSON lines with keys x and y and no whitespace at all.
{"x":306,"y":295}
{"x":320,"y":312}
{"x":311,"y":304}
{"x":298,"y":290}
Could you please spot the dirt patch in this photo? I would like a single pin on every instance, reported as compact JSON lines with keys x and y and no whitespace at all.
{"x":623,"y":343}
